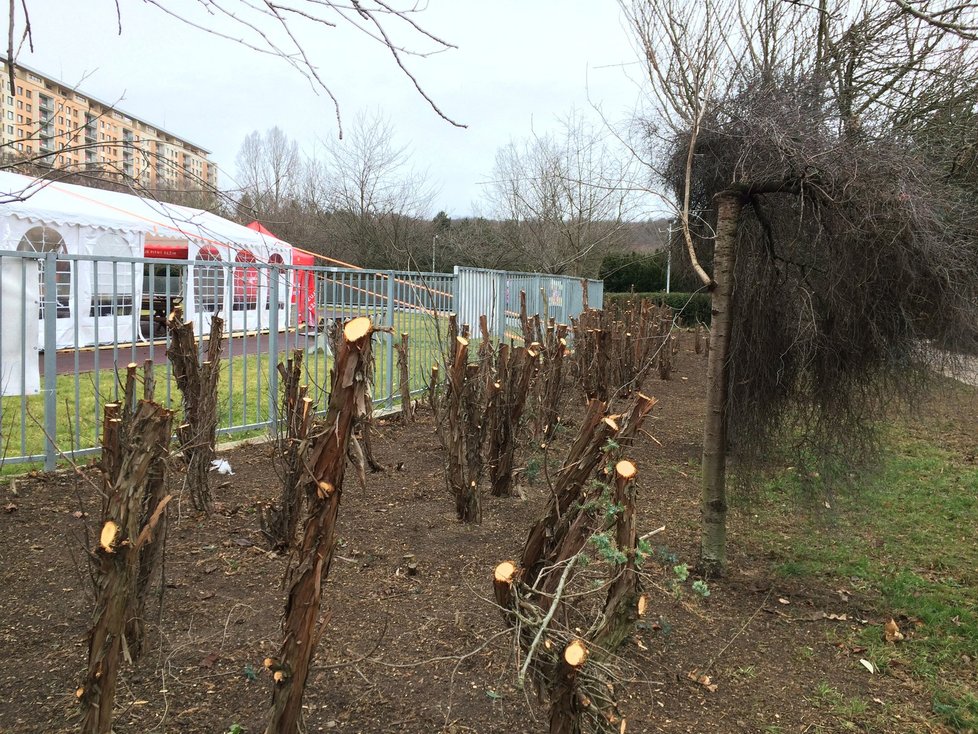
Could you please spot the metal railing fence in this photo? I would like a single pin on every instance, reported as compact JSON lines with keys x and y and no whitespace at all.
{"x":70,"y":324}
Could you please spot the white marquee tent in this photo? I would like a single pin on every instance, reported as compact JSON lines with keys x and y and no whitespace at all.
{"x":90,"y":229}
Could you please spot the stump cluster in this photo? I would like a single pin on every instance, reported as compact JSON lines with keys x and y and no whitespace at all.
{"x":615,"y":349}
{"x":568,"y":635}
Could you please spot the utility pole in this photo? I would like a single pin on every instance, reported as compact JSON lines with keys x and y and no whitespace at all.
{"x":434,"y":238}
{"x":669,"y":257}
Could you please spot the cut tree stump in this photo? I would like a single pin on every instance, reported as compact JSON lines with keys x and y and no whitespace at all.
{"x":197,"y":382}
{"x":327,"y":458}
{"x":515,"y":369}
{"x":463,"y":430}
{"x":403,"y":370}
{"x":130,"y":454}
{"x":279,"y":522}
{"x":536,"y":594}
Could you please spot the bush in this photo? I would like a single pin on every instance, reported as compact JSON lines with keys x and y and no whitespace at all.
{"x":622,"y":273}
{"x":692,"y":308}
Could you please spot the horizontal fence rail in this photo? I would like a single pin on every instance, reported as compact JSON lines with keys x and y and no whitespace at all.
{"x":70,"y":324}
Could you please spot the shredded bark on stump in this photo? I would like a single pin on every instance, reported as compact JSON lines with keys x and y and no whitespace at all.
{"x":197,"y":382}
{"x":404,"y":373}
{"x":155,"y":500}
{"x":302,"y":626}
{"x":279,"y":522}
{"x":138,"y":438}
{"x":515,"y":369}
{"x":463,"y":436}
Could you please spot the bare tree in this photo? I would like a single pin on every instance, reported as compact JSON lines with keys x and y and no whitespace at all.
{"x":373,"y":203}
{"x":563,"y":198}
{"x":803,"y":145}
{"x":268,"y":169}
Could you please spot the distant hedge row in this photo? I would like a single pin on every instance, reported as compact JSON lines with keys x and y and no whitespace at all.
{"x":692,"y":307}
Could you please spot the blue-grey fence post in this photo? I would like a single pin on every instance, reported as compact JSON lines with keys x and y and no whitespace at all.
{"x":390,"y":339}
{"x":536,"y":298}
{"x":273,"y":296}
{"x":500,"y":278}
{"x":50,"y":360}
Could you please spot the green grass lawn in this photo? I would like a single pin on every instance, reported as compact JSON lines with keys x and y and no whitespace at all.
{"x":243,"y":396}
{"x":907,"y":539}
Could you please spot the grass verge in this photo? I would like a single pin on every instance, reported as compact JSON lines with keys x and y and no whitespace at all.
{"x":906,"y":539}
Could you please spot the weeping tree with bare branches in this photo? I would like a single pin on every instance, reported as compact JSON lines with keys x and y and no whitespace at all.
{"x":820,"y":160}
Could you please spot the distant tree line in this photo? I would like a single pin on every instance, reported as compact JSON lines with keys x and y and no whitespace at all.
{"x":559,"y":203}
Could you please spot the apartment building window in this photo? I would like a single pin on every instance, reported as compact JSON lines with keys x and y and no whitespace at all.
{"x":10,"y":115}
{"x":20,"y":104}
{"x":10,"y":100}
{"x":28,"y":95}
{"x":20,"y":89}
{"x":10,"y":129}
{"x":29,"y":108}
{"x":20,"y":118}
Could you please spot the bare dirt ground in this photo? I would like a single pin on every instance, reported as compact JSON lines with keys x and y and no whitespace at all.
{"x":425,"y":653}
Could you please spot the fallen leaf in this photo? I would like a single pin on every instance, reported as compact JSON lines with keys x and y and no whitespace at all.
{"x":78,"y":514}
{"x":703,"y":680}
{"x":868,"y":665}
{"x":10,"y":508}
{"x":208,"y":662}
{"x":892,"y":632}
{"x":243,"y":542}
{"x":782,"y":600}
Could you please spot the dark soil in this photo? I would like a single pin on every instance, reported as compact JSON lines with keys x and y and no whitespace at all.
{"x":424,"y":653}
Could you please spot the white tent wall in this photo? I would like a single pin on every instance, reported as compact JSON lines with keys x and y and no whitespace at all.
{"x":15,"y":236}
{"x":19,"y":299}
{"x":107,"y":292}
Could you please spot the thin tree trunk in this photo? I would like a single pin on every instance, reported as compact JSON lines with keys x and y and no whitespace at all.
{"x":714,"y":530}
{"x":403,"y":370}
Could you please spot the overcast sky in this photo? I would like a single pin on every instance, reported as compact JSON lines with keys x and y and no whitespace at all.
{"x":520,"y":65}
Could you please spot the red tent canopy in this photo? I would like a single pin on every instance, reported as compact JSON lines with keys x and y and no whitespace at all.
{"x":260,"y":228}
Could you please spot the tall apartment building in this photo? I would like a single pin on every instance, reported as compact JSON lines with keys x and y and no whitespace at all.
{"x":54,"y":125}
